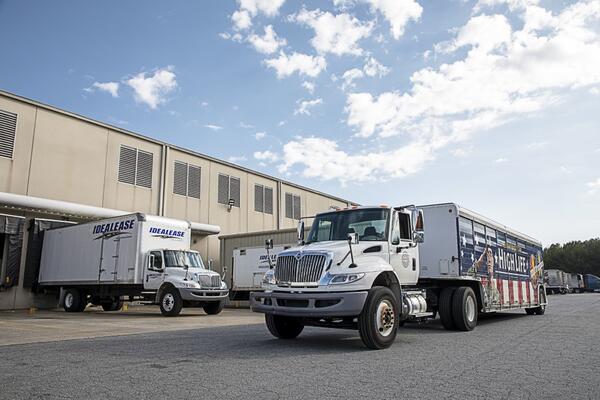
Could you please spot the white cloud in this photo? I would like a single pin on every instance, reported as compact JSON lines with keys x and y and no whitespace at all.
{"x":498,"y":78}
{"x":397,"y":12}
{"x":268,"y":43}
{"x":594,"y":186}
{"x":213,"y":127}
{"x":245,"y":125}
{"x":302,"y":64}
{"x":266,"y":156}
{"x":236,"y":37}
{"x":375,"y":68}
{"x":462,"y":152}
{"x":260,"y":135}
{"x":242,"y":18}
{"x":349,"y":77}
{"x":500,"y":160}
{"x":536,"y":145}
{"x":152,"y":89}
{"x":109,"y":87}
{"x":321,"y":158}
{"x":204,"y":104}
{"x":236,"y":159}
{"x":309,"y":86}
{"x":338,"y":34}
{"x":305,"y":106}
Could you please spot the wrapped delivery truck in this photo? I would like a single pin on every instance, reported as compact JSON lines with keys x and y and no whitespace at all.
{"x":135,"y":256}
{"x":373,"y":268}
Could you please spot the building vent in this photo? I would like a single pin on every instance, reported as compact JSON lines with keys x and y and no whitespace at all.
{"x":127,"y":162}
{"x":223,"y":196}
{"x":234,"y":190}
{"x":8,"y":129}
{"x":143,"y":176}
{"x":259,"y":194}
{"x":268,"y":200}
{"x":135,"y":167}
{"x":229,"y":188}
{"x":180,"y":178}
{"x":263,"y":199}
{"x":194,"y":174}
{"x":292,"y":206}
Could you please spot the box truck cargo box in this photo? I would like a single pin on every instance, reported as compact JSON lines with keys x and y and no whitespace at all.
{"x":134,"y":256}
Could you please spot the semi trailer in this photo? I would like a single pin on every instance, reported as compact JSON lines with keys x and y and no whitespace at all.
{"x":556,"y":281}
{"x":373,"y":268}
{"x":591,"y":283}
{"x":134,"y":257}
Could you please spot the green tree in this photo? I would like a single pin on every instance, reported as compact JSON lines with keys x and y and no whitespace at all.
{"x":582,"y":257}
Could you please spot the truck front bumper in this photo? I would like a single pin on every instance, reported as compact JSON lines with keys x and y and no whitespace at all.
{"x":193,"y":294}
{"x":309,"y":304}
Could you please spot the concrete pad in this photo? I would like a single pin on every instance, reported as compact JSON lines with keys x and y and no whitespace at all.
{"x":30,"y":326}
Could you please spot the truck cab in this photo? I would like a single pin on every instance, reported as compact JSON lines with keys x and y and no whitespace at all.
{"x":181,"y":279}
{"x":355,"y":269}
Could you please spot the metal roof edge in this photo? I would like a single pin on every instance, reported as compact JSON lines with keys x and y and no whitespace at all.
{"x":159,"y":142}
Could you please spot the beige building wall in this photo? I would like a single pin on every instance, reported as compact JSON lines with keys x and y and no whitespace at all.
{"x":14,"y":172}
{"x":63,"y":156}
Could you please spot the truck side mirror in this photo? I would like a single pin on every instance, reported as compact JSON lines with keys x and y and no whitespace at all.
{"x":151,"y":261}
{"x":210,"y":261}
{"x":418,"y":226}
{"x":269,"y":244}
{"x":224,"y":272}
{"x":353,"y":238}
{"x":300,"y":231}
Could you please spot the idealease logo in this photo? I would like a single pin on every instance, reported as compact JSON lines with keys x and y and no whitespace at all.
{"x":166,"y":233}
{"x":114,"y":227}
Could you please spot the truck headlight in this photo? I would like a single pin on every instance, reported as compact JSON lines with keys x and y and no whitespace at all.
{"x":345,"y":278}
{"x":189,"y":284}
{"x":269,"y":278}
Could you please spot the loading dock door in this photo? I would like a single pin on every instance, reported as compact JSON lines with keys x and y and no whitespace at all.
{"x":11,"y":228}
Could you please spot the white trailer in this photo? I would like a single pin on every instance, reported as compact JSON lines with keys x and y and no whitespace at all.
{"x":249,"y":265}
{"x":133,"y":256}
{"x":372,"y":268}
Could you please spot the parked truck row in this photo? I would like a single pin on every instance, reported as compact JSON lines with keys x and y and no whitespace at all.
{"x":373,"y":268}
{"x":558,"y":281}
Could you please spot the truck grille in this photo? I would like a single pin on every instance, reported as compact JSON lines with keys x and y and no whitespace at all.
{"x":306,"y":269}
{"x":210,"y":281}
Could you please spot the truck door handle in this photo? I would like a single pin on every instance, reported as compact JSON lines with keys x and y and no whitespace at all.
{"x":414,"y":260}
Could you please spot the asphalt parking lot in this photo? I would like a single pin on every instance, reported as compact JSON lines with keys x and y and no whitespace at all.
{"x":507,"y":356}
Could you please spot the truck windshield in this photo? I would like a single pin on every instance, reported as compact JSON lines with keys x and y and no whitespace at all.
{"x":370,"y":224}
{"x":179,"y":258}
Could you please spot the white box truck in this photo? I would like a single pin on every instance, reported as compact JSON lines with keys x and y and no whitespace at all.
{"x":133,"y":256}
{"x":372,"y":268}
{"x":249,"y":264}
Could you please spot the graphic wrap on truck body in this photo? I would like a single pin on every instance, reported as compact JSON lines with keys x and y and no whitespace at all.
{"x":509,"y":267}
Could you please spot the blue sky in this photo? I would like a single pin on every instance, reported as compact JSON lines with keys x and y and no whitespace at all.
{"x":492,"y":103}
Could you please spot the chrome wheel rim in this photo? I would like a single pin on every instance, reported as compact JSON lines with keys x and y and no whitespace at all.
{"x":385,"y":318}
{"x":470,"y":309}
{"x":168,"y":302}
{"x":69,"y":300}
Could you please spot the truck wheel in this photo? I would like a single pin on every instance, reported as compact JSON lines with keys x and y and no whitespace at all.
{"x":170,"y":302}
{"x":74,"y":301}
{"x":378,"y":321}
{"x":445,"y":308}
{"x":283,"y":327}
{"x":530,"y":311}
{"x":541,"y":309}
{"x":113,"y":304}
{"x":214,"y":307}
{"x":464,"y":309}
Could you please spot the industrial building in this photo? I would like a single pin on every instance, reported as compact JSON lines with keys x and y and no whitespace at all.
{"x":57,"y":166}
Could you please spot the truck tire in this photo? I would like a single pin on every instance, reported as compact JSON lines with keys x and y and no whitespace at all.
{"x":464,"y":309}
{"x":170,"y":302}
{"x":378,"y":321}
{"x":214,"y":307}
{"x":541,"y":309}
{"x":445,"y":308}
{"x":74,"y":300}
{"x":283,"y":327}
{"x":112,"y":304}
{"x":530,"y":311}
